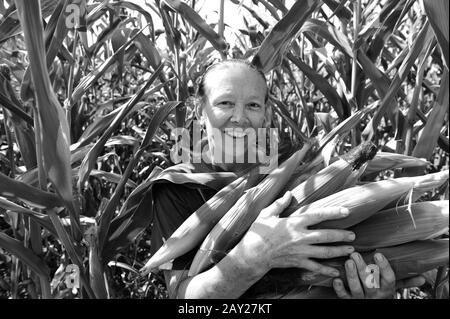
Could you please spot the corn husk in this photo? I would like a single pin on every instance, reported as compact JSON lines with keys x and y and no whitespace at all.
{"x":238,"y":219}
{"x":395,"y":226}
{"x":407,"y":260}
{"x":340,"y":174}
{"x":384,"y":161}
{"x":365,"y":200}
{"x":195,"y":228}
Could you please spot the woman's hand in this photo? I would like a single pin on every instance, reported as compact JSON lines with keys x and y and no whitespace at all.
{"x":362,"y":286}
{"x":274,"y":242}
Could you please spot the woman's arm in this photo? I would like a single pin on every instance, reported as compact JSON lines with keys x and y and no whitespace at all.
{"x":230,"y":278}
{"x":271,"y":242}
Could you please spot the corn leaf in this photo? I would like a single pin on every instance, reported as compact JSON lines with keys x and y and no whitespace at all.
{"x":54,"y":35}
{"x":72,"y":250}
{"x":91,"y":157}
{"x":129,"y":223}
{"x":198,"y":23}
{"x":35,"y":197}
{"x":89,"y":79}
{"x":11,"y":25}
{"x":279,"y":5}
{"x":339,"y":9}
{"x":430,"y":134}
{"x":420,"y":43}
{"x":340,"y":104}
{"x":23,"y":130}
{"x":41,"y":219}
{"x":26,"y":255}
{"x":107,"y":214}
{"x":101,"y":123}
{"x":133,"y":6}
{"x":54,"y":138}
{"x":15,"y":109}
{"x":271,"y":52}
{"x":329,"y":33}
{"x":438,"y":15}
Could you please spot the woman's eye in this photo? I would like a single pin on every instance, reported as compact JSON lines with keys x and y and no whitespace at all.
{"x":254,"y":106}
{"x":226,"y":104}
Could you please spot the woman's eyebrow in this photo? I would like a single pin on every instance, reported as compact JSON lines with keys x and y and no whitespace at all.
{"x":256,"y":97}
{"x":222,"y":96}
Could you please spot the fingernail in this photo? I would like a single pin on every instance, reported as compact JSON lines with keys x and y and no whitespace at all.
{"x":356,"y":256}
{"x":335,"y":273}
{"x":378,"y":257}
{"x":338,"y":283}
{"x":350,"y":264}
{"x":344,"y":211}
{"x":350,"y":249}
{"x":352,"y":236}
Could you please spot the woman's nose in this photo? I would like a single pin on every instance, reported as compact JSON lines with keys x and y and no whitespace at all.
{"x":239,"y":116}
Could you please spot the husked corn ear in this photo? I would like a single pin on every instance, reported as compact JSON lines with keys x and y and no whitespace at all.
{"x":238,"y":219}
{"x":384,"y":161}
{"x":197,"y":225}
{"x":364,"y":201}
{"x":395,"y":226}
{"x":407,"y":260}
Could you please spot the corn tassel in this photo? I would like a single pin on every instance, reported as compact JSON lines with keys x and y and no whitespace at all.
{"x":394,"y":226}
{"x":364,"y":201}
{"x":238,"y":219}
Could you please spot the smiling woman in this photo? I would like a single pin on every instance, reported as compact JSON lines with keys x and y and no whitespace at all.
{"x":232,"y":98}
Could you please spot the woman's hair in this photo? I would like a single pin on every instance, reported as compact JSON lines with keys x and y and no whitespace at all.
{"x":201,"y":84}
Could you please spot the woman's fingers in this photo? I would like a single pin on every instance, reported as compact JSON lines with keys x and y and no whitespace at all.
{"x":319,"y":268}
{"x":316,"y":216}
{"x":411,"y":282}
{"x":386,"y":273}
{"x":278,"y":206}
{"x":367,"y":274}
{"x":339,"y":288}
{"x":353,"y":279}
{"x":330,"y":236}
{"x":326,"y":252}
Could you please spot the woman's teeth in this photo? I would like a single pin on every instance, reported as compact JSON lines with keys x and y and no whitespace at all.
{"x":235,"y":133}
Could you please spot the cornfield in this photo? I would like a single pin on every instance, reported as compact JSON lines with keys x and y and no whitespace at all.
{"x":91,"y":90}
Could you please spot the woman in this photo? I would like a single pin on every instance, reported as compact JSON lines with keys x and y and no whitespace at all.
{"x":233,"y":95}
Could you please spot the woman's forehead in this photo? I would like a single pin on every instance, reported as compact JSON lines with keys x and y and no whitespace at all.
{"x":231,"y":77}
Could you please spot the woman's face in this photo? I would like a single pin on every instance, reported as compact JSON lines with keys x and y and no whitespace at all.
{"x":234,"y":104}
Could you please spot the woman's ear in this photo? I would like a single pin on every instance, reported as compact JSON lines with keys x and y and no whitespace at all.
{"x":198,"y":109}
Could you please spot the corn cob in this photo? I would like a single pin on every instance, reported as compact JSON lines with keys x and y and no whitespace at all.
{"x":384,"y":161}
{"x":407,"y":260}
{"x":395,"y":226}
{"x":364,"y":201}
{"x":197,"y":225}
{"x":238,"y":219}
{"x":333,"y":178}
